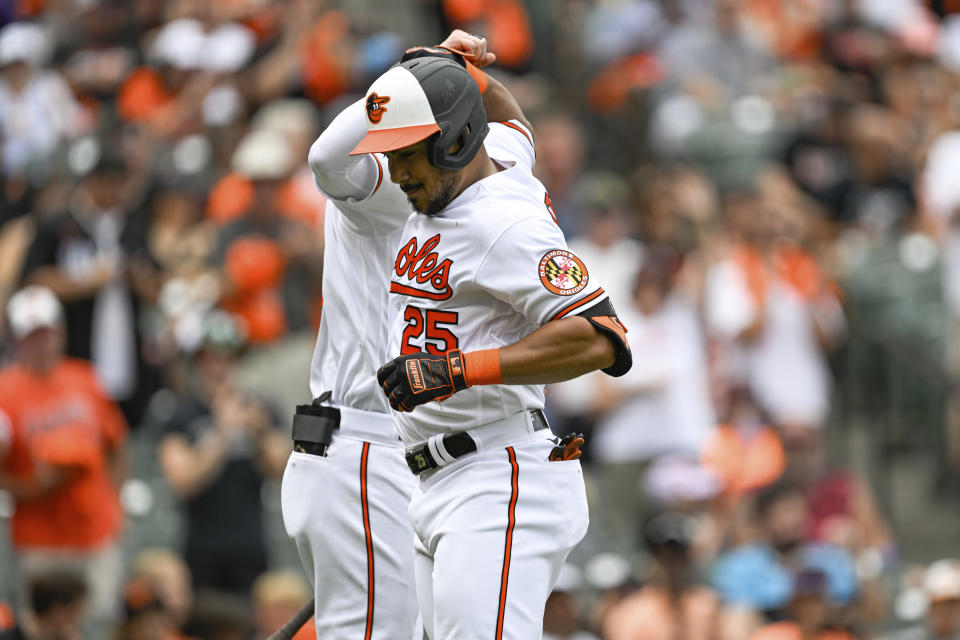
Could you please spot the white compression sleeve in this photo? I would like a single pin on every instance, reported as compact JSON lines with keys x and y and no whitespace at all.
{"x":338,"y":174}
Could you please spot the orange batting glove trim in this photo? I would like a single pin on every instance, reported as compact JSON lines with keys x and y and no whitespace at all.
{"x":482,"y":367}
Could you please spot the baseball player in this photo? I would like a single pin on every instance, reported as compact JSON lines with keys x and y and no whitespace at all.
{"x":346,"y":487}
{"x":490,"y":304}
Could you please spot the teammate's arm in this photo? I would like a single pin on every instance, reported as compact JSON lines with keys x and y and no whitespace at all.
{"x":340,"y":175}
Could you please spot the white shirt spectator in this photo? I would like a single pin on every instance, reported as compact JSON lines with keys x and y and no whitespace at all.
{"x":668,"y":408}
{"x":785,"y":366}
{"x":34,"y":119}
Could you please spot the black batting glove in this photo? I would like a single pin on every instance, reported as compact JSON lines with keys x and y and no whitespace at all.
{"x":409,"y":381}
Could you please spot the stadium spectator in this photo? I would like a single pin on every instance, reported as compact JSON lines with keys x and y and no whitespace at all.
{"x":808,"y":614}
{"x":169,"y":577}
{"x":744,"y":452}
{"x":145,"y":615}
{"x":56,"y":611}
{"x":269,"y":262}
{"x":92,"y":256}
{"x":563,"y":615}
{"x":561,"y":152}
{"x":277,"y":596}
{"x":941,"y":590}
{"x":215,"y":452}
{"x":661,"y":406}
{"x":759,"y":575}
{"x":671,"y":603}
{"x":770,"y":302}
{"x":37,"y":108}
{"x":62,"y":457}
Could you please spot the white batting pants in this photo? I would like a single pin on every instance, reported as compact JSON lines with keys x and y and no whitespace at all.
{"x":493,"y":530}
{"x":347,"y":513}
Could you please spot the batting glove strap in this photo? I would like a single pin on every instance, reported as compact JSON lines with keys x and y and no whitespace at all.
{"x":412,"y":380}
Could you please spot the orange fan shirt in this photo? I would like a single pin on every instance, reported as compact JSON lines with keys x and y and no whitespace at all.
{"x":62,"y":419}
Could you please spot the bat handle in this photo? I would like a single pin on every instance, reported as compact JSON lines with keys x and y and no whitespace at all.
{"x":288,"y":630}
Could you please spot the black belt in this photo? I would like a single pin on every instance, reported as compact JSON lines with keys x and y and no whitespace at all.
{"x":313,"y":426}
{"x":457,"y":445}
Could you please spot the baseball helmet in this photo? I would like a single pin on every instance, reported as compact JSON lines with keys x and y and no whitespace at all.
{"x":426,"y":97}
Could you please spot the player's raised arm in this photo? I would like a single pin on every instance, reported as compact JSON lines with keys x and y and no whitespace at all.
{"x":354,"y":178}
{"x":338,"y":174}
{"x":499,"y":104}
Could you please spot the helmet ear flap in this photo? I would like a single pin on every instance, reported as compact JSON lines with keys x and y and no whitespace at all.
{"x":445,"y":151}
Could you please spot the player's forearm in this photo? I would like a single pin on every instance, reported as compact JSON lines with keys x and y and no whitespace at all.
{"x":557,"y":351}
{"x":500,"y":105}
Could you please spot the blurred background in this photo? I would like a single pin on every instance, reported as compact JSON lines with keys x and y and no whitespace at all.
{"x":768,"y":189}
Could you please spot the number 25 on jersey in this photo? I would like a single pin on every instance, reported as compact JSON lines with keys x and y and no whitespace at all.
{"x":427,"y":330}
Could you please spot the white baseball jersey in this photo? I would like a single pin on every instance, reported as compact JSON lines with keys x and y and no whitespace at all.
{"x":347,"y":510}
{"x":488,"y":270}
{"x":360,"y":239}
{"x":486,"y":288}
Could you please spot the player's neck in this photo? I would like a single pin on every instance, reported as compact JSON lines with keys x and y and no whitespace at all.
{"x":479,"y":168}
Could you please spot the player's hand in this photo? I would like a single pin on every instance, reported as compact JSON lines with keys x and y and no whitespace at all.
{"x":412,"y":380}
{"x":472,"y":48}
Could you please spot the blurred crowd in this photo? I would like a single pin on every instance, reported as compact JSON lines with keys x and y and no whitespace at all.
{"x":768,"y":190}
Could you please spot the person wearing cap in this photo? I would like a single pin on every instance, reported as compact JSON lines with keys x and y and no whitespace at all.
{"x":490,"y":305}
{"x":168,"y":94}
{"x":942,"y":585}
{"x":939,"y":591}
{"x":37,"y":108}
{"x":61,"y":456}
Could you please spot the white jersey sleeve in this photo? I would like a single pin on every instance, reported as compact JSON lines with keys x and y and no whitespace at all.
{"x":359,"y":184}
{"x":511,"y":140}
{"x":530,"y":268}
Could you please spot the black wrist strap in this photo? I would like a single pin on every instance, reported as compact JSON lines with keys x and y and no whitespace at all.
{"x":458,"y":377}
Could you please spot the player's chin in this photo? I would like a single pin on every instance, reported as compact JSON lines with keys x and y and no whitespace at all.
{"x":419,"y":204}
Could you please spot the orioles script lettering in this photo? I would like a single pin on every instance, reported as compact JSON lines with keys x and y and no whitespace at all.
{"x":423,"y":270}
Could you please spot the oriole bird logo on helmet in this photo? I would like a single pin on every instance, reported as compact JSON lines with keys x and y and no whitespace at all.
{"x":375,"y":108}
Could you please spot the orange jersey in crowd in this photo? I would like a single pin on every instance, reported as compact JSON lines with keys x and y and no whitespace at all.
{"x":62,"y":419}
